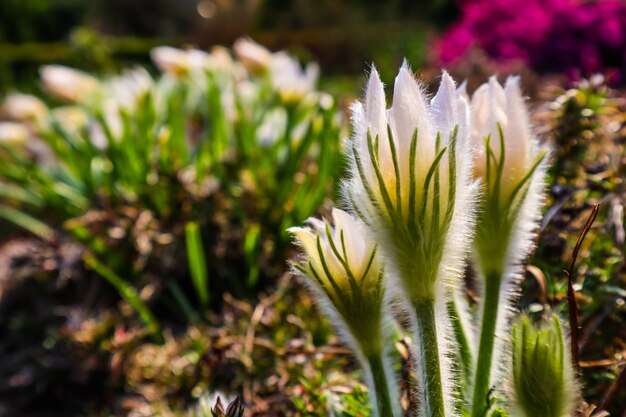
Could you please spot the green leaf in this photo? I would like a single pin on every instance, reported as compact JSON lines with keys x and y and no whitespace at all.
{"x":128,"y":293}
{"x":197,"y":262}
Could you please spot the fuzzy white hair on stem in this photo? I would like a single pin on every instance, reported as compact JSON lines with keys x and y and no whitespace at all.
{"x":512,"y":165}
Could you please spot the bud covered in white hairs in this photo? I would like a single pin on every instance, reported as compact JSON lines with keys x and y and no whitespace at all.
{"x":341,"y":260}
{"x":511,"y":165}
{"x":342,"y":265}
{"x":411,"y":184}
{"x":543,"y":375}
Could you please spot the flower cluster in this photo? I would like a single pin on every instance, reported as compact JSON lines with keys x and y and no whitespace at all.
{"x":550,"y":35}
{"x":432,"y":181}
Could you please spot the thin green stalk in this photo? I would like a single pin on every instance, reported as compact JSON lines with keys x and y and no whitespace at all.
{"x":491,"y":300}
{"x":197,"y":262}
{"x":429,"y":355}
{"x":381,"y":386}
{"x":462,"y":342}
{"x":128,"y":293}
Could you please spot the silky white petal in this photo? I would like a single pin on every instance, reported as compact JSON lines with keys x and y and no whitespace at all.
{"x":306,"y":239}
{"x":463,"y":121}
{"x":375,"y":105}
{"x":444,"y":109}
{"x":375,"y":108}
{"x":358,"y":247}
{"x":462,"y":90}
{"x":409,"y":112}
{"x":518,"y":132}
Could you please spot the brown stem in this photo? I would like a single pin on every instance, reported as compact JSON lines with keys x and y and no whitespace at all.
{"x":571,"y":293}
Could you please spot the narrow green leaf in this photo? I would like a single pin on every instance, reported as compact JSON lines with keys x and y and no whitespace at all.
{"x":27,"y":222}
{"x":128,"y":293}
{"x":197,"y":262}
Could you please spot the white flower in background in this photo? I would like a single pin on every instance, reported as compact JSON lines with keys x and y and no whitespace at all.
{"x":495,"y":108}
{"x":199,"y":60}
{"x":129,"y":87}
{"x":221,"y":57}
{"x":221,"y":62}
{"x":69,"y":84}
{"x":273,"y":127}
{"x":112,"y":118}
{"x":256,"y":58}
{"x":13,"y":133}
{"x":71,"y":118}
{"x":288,"y":77}
{"x":285,"y":72}
{"x":23,"y":107}
{"x":178,"y":62}
{"x":411,"y":183}
{"x":169,"y":60}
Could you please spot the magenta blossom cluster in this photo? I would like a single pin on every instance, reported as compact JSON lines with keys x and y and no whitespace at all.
{"x":576,"y":37}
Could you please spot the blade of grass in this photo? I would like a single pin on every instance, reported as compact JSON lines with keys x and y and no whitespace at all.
{"x":128,"y":293}
{"x":27,"y":222}
{"x":181,"y":300}
{"x":197,"y":262}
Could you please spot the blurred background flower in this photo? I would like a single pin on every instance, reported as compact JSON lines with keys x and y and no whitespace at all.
{"x":577,"y":37}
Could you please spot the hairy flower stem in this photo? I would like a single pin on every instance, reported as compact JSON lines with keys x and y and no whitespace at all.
{"x":428,"y":348}
{"x":491,"y":300}
{"x":380,"y":385}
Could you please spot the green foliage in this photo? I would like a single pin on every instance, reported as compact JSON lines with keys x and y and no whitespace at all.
{"x":212,"y":156}
{"x":590,"y":117}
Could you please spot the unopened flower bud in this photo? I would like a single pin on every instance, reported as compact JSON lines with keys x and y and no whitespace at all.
{"x":68,"y":84}
{"x":23,"y":107}
{"x":254,"y":57}
{"x":13,"y":133}
{"x":543,"y":376}
{"x":341,"y":260}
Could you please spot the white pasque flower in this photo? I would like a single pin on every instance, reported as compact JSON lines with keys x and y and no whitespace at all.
{"x":411,"y":180}
{"x":346,"y":275}
{"x":23,"y":107}
{"x":71,"y":118}
{"x":339,"y":258}
{"x":411,"y":183}
{"x":254,"y":57}
{"x":499,"y":115}
{"x":129,"y":87}
{"x":512,"y":166}
{"x":68,"y":84}
{"x":342,"y":263}
{"x":13,"y":133}
{"x":178,"y":62}
{"x":288,"y":77}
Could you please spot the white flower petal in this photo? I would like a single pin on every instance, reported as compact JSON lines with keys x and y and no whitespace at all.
{"x":444,"y":109}
{"x":409,"y":112}
{"x":518,"y":145}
